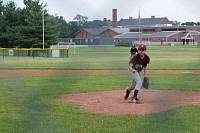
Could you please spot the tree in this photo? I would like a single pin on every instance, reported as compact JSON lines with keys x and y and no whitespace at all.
{"x":74,"y":27}
{"x":24,"y":27}
{"x":2,"y":24}
{"x":189,"y":24}
{"x":11,"y":19}
{"x":81,"y":20}
{"x":176,"y":23}
{"x":198,"y":23}
{"x":62,"y":27}
{"x":51,"y":35}
{"x":32,"y":32}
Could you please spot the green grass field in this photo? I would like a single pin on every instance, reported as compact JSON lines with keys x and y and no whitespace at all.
{"x":26,"y":105}
{"x":166,"y":57}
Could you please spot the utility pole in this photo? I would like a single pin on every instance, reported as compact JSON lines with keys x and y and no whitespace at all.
{"x":139,"y":25}
{"x":43,"y":27}
{"x":177,"y":33}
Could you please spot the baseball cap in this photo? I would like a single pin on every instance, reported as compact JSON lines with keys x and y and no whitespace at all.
{"x":142,"y":46}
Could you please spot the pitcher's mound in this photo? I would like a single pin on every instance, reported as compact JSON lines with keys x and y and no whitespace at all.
{"x":112,"y":102}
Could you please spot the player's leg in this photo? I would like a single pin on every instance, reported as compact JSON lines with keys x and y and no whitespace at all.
{"x":131,"y":87}
{"x":137,"y":87}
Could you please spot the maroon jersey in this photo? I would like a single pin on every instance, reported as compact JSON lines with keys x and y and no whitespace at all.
{"x":133,"y":51}
{"x":138,"y":63}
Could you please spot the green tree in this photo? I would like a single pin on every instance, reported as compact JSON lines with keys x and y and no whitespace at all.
{"x":12,"y":18}
{"x":189,"y":24}
{"x":62,"y":27}
{"x":31,"y":34}
{"x":2,"y":25}
{"x":74,"y":27}
{"x":51,"y":35}
{"x":23,"y":27}
{"x":33,"y":30}
{"x":198,"y":23}
{"x":175,"y":23}
{"x":81,"y":20}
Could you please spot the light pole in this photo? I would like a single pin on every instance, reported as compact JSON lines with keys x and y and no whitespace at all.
{"x":139,"y":25}
{"x":43,"y":27}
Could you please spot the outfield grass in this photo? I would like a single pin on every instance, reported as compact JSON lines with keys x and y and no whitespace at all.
{"x":162,"y":57}
{"x":26,"y":105}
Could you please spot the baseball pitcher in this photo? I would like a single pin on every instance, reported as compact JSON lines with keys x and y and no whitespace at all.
{"x":136,"y":65}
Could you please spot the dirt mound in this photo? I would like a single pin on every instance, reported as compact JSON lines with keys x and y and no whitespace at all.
{"x":112,"y":102}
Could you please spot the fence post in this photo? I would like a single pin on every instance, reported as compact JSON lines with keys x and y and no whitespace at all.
{"x":67,"y":53}
{"x":3,"y":53}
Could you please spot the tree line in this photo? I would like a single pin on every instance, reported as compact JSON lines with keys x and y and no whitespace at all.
{"x":23,"y":27}
{"x":176,"y":23}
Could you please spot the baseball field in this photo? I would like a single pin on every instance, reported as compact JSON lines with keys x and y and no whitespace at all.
{"x":84,"y":93}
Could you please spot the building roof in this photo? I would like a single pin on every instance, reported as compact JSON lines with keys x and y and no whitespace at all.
{"x":163,"y":34}
{"x":95,"y":31}
{"x":187,"y":35}
{"x":143,"y":21}
{"x":98,"y":31}
{"x":128,"y":35}
{"x":137,"y":35}
{"x":119,"y":30}
{"x":194,"y":33}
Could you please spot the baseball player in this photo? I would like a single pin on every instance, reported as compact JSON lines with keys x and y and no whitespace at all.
{"x":133,"y":50}
{"x":136,"y":65}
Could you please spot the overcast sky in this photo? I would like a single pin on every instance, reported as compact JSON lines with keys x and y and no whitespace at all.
{"x":180,"y":10}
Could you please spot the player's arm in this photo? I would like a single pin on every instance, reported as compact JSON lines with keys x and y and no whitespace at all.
{"x":131,"y":68}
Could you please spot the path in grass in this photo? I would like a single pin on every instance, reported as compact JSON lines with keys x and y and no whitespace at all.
{"x":86,"y":72}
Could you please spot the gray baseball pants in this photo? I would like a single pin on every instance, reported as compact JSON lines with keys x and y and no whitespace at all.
{"x":136,"y":81}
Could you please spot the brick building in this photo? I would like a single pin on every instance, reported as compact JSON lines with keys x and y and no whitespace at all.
{"x":100,"y":33}
{"x":156,"y":30}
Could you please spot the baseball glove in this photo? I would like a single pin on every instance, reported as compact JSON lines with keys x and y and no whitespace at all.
{"x":145,"y":83}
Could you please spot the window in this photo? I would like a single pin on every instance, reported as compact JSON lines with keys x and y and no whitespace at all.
{"x":148,"y":30}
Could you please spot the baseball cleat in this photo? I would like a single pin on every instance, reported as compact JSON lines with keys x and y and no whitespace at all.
{"x":135,"y":100}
